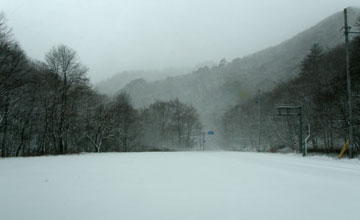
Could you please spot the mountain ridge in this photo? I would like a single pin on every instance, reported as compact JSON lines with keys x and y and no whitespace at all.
{"x":213,"y":90}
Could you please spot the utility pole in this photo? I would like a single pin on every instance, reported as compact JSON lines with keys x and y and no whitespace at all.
{"x":305,"y":142}
{"x":259,"y":121}
{"x":202,"y":140}
{"x":350,"y":122}
{"x":301,"y":131}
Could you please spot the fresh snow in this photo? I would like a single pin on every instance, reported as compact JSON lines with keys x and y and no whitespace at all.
{"x":179,"y":186}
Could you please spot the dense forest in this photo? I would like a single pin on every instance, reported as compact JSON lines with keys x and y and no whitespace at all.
{"x":50,"y":107}
{"x":320,"y":89}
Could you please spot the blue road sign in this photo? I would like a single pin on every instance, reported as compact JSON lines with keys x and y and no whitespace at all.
{"x":211,"y":132}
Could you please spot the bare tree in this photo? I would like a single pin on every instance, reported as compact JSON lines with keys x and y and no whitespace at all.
{"x":99,"y":128}
{"x":65,"y":63}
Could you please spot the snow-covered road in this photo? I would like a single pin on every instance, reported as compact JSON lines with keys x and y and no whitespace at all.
{"x":179,"y":186}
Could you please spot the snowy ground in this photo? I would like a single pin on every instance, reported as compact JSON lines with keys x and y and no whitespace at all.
{"x":179,"y":186}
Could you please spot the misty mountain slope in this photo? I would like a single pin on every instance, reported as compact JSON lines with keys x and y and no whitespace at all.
{"x":213,"y":90}
{"x":118,"y":81}
{"x":281,"y":62}
{"x":112,"y":85}
{"x":204,"y":88}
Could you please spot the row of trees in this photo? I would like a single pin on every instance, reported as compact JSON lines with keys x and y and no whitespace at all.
{"x":165,"y":120}
{"x":321,"y":91}
{"x":51,"y":108}
{"x":114,"y":125}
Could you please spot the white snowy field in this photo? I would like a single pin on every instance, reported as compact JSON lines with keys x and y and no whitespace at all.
{"x":179,"y":186}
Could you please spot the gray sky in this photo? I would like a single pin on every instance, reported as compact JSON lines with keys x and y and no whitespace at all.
{"x":115,"y":35}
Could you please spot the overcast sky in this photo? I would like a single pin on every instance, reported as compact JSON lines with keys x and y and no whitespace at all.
{"x":115,"y":35}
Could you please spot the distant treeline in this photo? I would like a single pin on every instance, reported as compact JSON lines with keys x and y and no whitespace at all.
{"x":320,"y":89}
{"x":51,"y":108}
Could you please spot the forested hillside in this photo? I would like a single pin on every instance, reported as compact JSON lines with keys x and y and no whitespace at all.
{"x":214,"y":90}
{"x":321,"y":91}
{"x":49,"y":107}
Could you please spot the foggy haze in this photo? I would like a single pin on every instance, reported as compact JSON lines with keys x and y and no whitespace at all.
{"x":137,"y":91}
{"x":113,"y":36}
